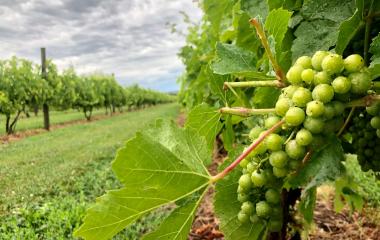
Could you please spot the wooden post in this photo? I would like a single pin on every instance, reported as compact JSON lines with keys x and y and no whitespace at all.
{"x":45,"y":106}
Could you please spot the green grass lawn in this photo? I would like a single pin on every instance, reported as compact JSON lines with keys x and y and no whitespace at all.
{"x":56,"y":117}
{"x":48,"y":180}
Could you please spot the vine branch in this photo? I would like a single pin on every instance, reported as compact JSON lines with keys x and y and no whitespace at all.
{"x":364,"y":101}
{"x":264,"y":41}
{"x":263,"y":83}
{"x":252,"y":147}
{"x":246,"y":112}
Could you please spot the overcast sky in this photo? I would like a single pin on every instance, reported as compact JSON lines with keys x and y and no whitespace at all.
{"x":130,"y":38}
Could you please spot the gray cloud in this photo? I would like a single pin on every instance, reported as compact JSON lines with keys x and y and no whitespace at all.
{"x":127,"y":37}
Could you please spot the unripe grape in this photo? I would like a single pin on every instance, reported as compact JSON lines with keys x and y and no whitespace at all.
{"x":263,"y":209}
{"x":375,"y":122}
{"x":329,"y":111}
{"x":294,"y":150}
{"x":373,"y":109}
{"x":317,"y":59}
{"x":289,"y":91}
{"x":245,"y":181}
{"x":278,"y":159}
{"x":307,"y":76}
{"x":338,"y":107}
{"x":280,"y":172}
{"x":251,"y":167}
{"x":272,"y":196}
{"x":243,"y":217}
{"x":304,"y":61}
{"x":244,"y":163}
{"x":271,"y":121}
{"x":294,"y":75}
{"x":294,"y":116}
{"x":332,"y":64}
{"x":255,"y":132}
{"x":360,"y":82}
{"x":258,"y":179}
{"x":274,"y":142}
{"x":323,"y":93}
{"x":304,"y":137}
{"x":321,"y":77}
{"x":248,"y":207}
{"x":314,"y":125}
{"x":254,"y":219}
{"x":275,"y":225}
{"x":294,"y":164}
{"x":378,"y":133}
{"x":282,"y":106}
{"x":243,"y":197}
{"x":353,"y":63}
{"x":315,"y":109}
{"x":341,"y":84}
{"x":260,"y":149}
{"x":301,"y":97}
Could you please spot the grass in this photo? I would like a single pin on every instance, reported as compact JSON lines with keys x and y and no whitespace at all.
{"x":56,"y":117}
{"x":48,"y":180}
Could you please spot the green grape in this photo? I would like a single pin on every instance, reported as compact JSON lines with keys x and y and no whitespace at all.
{"x":294,"y":164}
{"x":329,"y":111}
{"x":255,"y":219}
{"x":260,"y":149}
{"x":304,"y":61}
{"x":289,"y":91}
{"x":274,"y":225}
{"x":360,"y":82}
{"x":301,"y":97}
{"x":263,"y":209}
{"x":304,"y":137}
{"x":314,"y":125}
{"x":317,"y":59}
{"x":243,"y":197}
{"x":321,"y":78}
{"x":241,"y":190}
{"x":251,"y":167}
{"x":282,"y":106}
{"x":248,"y":207}
{"x":294,"y":150}
{"x":243,"y":217}
{"x":315,"y":108}
{"x":307,"y":76}
{"x":378,"y":133}
{"x":375,"y":122}
{"x":338,"y":107}
{"x":258,"y":179}
{"x":323,"y":93}
{"x":341,"y":85}
{"x":255,"y":132}
{"x":272,"y":196}
{"x":274,"y":142}
{"x":353,"y":63}
{"x":374,"y":109}
{"x":271,"y":121}
{"x":277,"y":212}
{"x":278,"y":159}
{"x":245,"y":181}
{"x":294,"y":116}
{"x":280,"y":172}
{"x":294,"y":75}
{"x":244,"y":163}
{"x":332,"y":64}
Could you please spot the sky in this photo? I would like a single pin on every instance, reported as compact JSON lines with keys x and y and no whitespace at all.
{"x":130,"y":38}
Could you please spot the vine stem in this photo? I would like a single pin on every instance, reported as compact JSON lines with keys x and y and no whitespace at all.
{"x":347,"y":121}
{"x":260,"y":83}
{"x":364,"y":101}
{"x":246,"y":112}
{"x":265,"y":43}
{"x":367,"y":34}
{"x":252,"y":147}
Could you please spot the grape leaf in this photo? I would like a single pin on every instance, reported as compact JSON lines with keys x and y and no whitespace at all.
{"x":324,"y":165}
{"x":255,"y":8}
{"x":206,"y":121}
{"x":178,"y":224}
{"x":231,"y":59}
{"x":265,"y":97}
{"x":350,"y":27}
{"x":375,"y":59}
{"x":215,"y":10}
{"x":155,"y":171}
{"x":227,"y":207}
{"x":307,"y":204}
{"x":346,"y":190}
{"x":333,"y":10}
{"x":276,"y":25}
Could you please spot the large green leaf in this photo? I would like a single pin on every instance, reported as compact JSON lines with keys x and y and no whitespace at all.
{"x":232,"y":59}
{"x":206,"y":121}
{"x":276,"y":25}
{"x":227,"y":207}
{"x":255,"y":8}
{"x":215,"y":10}
{"x":158,"y":166}
{"x":324,"y":165}
{"x":375,"y":60}
{"x":307,"y":204}
{"x":350,"y":27}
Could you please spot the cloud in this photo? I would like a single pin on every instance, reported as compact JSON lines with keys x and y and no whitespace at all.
{"x":127,"y":37}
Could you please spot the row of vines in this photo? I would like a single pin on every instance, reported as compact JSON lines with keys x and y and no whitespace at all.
{"x":291,"y":88}
{"x":24,"y":89}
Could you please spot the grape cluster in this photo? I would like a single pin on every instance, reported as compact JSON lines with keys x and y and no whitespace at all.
{"x":364,"y":134}
{"x":313,"y":106}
